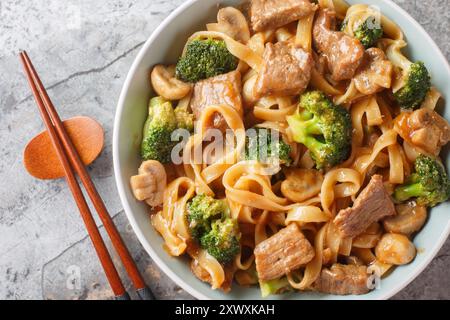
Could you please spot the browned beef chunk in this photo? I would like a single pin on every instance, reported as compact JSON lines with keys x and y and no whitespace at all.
{"x":271,"y":14}
{"x":374,"y":73}
{"x":342,"y":280}
{"x":285,"y":251}
{"x":286,"y":70}
{"x":221,"y":89}
{"x":344,"y":53}
{"x":372,"y":204}
{"x":320,"y":63}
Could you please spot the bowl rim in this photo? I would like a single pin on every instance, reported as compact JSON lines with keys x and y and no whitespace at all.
{"x":121,"y":185}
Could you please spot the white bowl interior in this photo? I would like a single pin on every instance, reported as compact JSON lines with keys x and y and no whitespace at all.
{"x":164,"y":46}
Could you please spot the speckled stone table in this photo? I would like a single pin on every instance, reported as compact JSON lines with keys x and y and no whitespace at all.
{"x":83,"y":49}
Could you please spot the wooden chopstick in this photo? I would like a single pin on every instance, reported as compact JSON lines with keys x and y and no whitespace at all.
{"x":70,"y":152}
{"x":75,"y":160}
{"x":94,"y":234}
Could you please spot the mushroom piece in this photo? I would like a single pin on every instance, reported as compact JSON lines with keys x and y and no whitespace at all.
{"x":424,"y":129}
{"x":395,"y":249}
{"x":166,"y":85}
{"x":301,"y":184}
{"x":232,"y":22}
{"x":150,"y":183}
{"x":410,"y":218}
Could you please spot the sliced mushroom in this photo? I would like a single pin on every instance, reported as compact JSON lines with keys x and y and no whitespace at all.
{"x":395,"y":249}
{"x":424,"y":129}
{"x":301,"y":184}
{"x":150,"y":183}
{"x":232,"y":22}
{"x":166,"y":85}
{"x":410,"y":218}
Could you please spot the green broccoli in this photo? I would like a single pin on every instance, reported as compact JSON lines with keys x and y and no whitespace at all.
{"x":202,"y":211}
{"x":429,"y":183}
{"x":417,"y":83}
{"x":276,"y":286}
{"x":162,"y":120}
{"x":185,"y":120}
{"x":158,"y":128}
{"x":260,"y":147}
{"x":205,"y":58}
{"x":368,"y":32}
{"x":222,"y":241}
{"x":212,"y":227}
{"x":324,"y":128}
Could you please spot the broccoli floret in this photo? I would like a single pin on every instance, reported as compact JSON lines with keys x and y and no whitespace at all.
{"x":205,"y":58}
{"x":162,"y":120}
{"x":276,"y":286}
{"x":212,"y":227}
{"x":202,"y":211}
{"x":369,"y":32}
{"x":324,"y":128}
{"x":429,"y":183}
{"x":222,"y":241}
{"x":260,"y":147}
{"x":417,"y":83}
{"x":185,"y":120}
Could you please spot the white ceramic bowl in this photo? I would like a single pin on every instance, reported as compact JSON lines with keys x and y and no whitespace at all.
{"x":164,"y":46}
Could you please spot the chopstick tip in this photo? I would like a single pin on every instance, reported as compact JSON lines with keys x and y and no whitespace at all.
{"x":23,"y":53}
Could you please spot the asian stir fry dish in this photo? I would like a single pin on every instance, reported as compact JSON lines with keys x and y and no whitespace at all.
{"x":330,"y":155}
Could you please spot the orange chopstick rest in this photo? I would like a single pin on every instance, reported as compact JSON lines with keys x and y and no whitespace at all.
{"x":41,"y":160}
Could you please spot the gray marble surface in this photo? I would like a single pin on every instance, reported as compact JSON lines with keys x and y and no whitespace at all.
{"x":83,"y":50}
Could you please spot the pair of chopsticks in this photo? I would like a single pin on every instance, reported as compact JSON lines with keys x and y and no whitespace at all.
{"x":71,"y":162}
